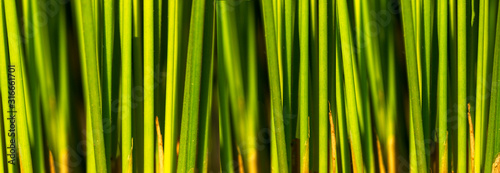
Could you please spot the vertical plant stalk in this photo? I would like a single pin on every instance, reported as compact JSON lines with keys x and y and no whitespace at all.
{"x":323,"y":86}
{"x":443,"y":86}
{"x":190,"y":109}
{"x":348,"y":59}
{"x":126,"y":83}
{"x":462,"y":85}
{"x":93,"y":86}
{"x":304,"y":84}
{"x":16,"y":60}
{"x":64,"y":101}
{"x":340,"y":100}
{"x":206,"y":88}
{"x":492,"y":144}
{"x":225,"y":134}
{"x":252,"y":155}
{"x":416,"y":109}
{"x":274,"y":81}
{"x":90,"y":159}
{"x":149,"y":85}
{"x":479,"y":114}
{"x":109,"y":32}
{"x":171,"y":112}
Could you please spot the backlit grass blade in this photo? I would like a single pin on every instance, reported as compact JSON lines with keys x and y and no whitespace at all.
{"x":411,"y":61}
{"x":107,"y":72}
{"x":93,"y":86}
{"x":347,"y":59}
{"x":323,"y":86}
{"x":479,"y":115}
{"x":225,"y":135}
{"x":462,"y":84}
{"x":304,"y":85}
{"x":90,"y":158}
{"x":126,"y":83}
{"x":16,"y":60}
{"x":340,"y":100}
{"x":206,"y":88}
{"x":64,"y":97}
{"x":171,"y":103}
{"x":443,"y":86}
{"x":149,"y":84}
{"x":189,"y":124}
{"x":492,"y":148}
{"x":274,"y":82}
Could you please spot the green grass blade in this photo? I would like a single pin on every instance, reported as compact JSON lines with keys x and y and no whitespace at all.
{"x":64,"y":99}
{"x":443,"y":86}
{"x":126,"y":83}
{"x":107,"y":72}
{"x":225,"y":138}
{"x":462,"y":85}
{"x":93,"y":86}
{"x":347,"y":59}
{"x":493,"y":122}
{"x":411,"y":61}
{"x":206,"y":88}
{"x":149,"y":84}
{"x":171,"y":111}
{"x":304,"y":84}
{"x":340,"y":100}
{"x":323,"y":86}
{"x":189,"y":124}
{"x":274,"y":81}
{"x":479,"y":134}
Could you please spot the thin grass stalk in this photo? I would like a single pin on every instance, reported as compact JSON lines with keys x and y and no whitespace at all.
{"x":493,"y":125}
{"x":206,"y":87}
{"x":304,"y":84}
{"x":149,"y":83}
{"x":109,"y":32}
{"x":138,"y":82}
{"x":189,"y":124}
{"x":16,"y":60}
{"x":462,"y":85}
{"x":64,"y":102}
{"x":392,"y":106}
{"x":323,"y":86}
{"x":275,"y":167}
{"x":232,"y":65}
{"x":427,"y":13}
{"x":416,"y":109}
{"x":479,"y":91}
{"x":171,"y":111}
{"x":340,"y":100}
{"x":314,"y":87}
{"x":225,"y":137}
{"x":273,"y":65}
{"x":126,"y":83}
{"x":251,"y":154}
{"x":93,"y":87}
{"x":348,"y":58}
{"x":442,"y":86}
{"x":90,"y":159}
{"x":44,"y":70}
